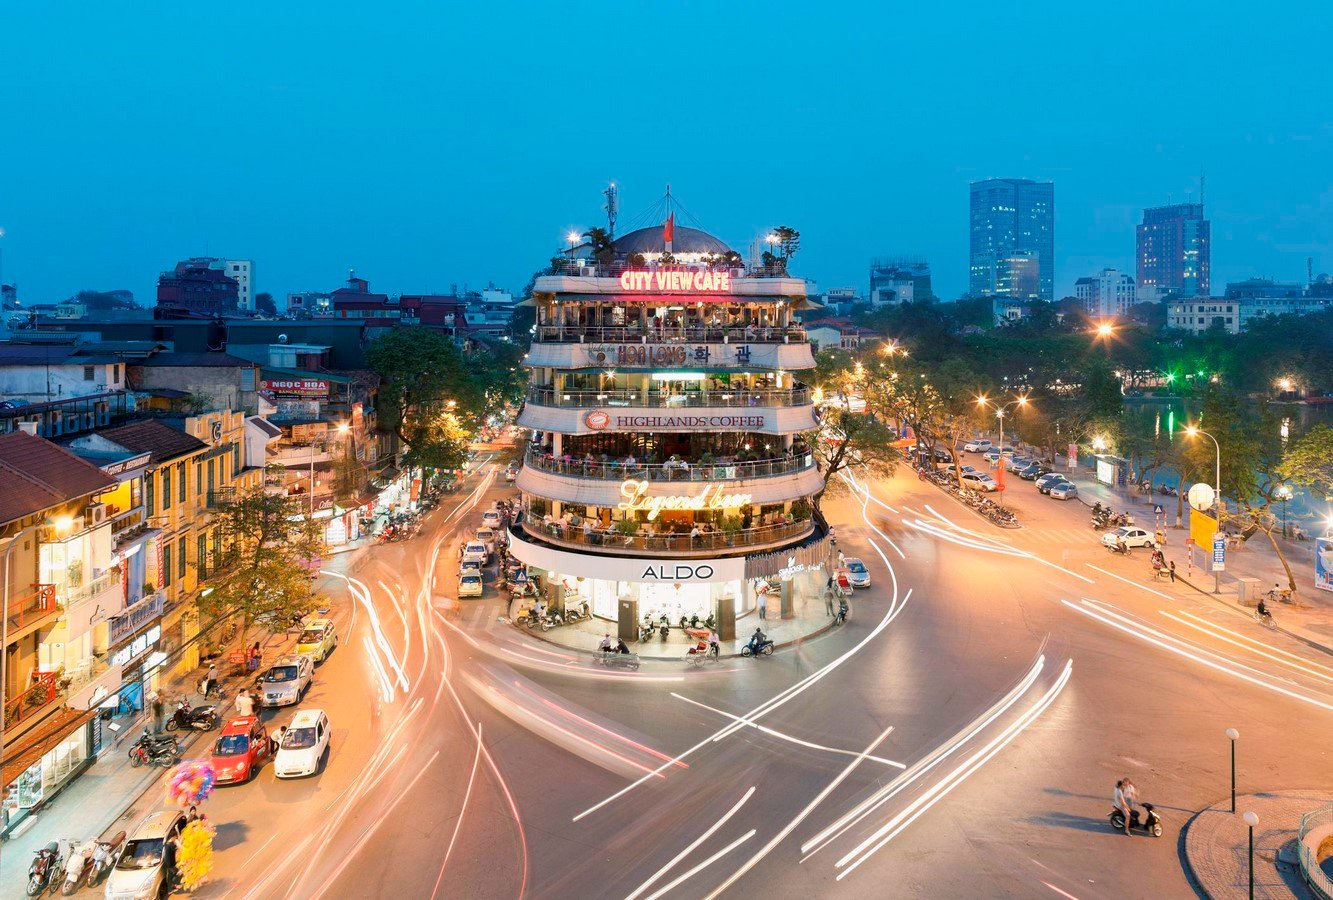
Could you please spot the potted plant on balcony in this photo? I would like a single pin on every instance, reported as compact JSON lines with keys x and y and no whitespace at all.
{"x":75,"y":573}
{"x":731,"y":526}
{"x":800,"y":511}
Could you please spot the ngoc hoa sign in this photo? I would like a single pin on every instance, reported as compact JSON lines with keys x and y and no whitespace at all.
{"x":711,"y":497}
{"x":675,"y":281}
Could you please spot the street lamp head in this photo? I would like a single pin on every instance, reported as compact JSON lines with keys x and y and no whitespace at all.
{"x":573,"y":237}
{"x":343,"y":427}
{"x":63,"y":524}
{"x":1233,"y":734}
{"x":1285,"y":384}
{"x":1022,"y":401}
{"x":1191,"y":430}
{"x":1250,"y":819}
{"x":1106,"y":329}
{"x":981,"y":401}
{"x":1099,"y":443}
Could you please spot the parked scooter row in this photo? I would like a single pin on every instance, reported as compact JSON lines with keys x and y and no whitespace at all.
{"x":1104,"y":518}
{"x":90,"y":863}
{"x":155,"y":750}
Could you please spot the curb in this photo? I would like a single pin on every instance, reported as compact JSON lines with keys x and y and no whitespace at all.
{"x":959,"y":500}
{"x":1182,"y":852}
{"x":1312,"y":644}
{"x":827,"y":626}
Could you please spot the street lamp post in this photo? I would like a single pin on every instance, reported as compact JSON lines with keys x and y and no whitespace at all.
{"x":1233,"y":734}
{"x":1251,"y":820}
{"x":1284,"y":494}
{"x":1191,"y":430}
{"x":999,"y":414}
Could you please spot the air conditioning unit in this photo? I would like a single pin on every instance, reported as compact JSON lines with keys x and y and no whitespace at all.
{"x":588,"y":271}
{"x":95,"y":515}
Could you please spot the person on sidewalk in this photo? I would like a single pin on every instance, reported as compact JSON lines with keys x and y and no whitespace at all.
{"x":210,"y":681}
{"x":1171,"y":570}
{"x":255,"y":654}
{"x":828,"y":597}
{"x":245,"y":706}
{"x":155,"y":699}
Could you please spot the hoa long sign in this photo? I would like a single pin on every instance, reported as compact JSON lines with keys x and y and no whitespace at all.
{"x":660,"y":280}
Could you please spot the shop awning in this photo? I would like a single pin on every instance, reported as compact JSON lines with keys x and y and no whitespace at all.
{"x":33,"y":745}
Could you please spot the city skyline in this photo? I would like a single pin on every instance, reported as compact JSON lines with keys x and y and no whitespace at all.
{"x":310,"y":171}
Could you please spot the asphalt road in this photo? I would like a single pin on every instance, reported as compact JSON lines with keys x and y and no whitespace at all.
{"x":959,"y":737}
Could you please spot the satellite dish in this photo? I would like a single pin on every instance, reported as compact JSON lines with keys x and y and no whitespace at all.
{"x":282,"y":339}
{"x":1201,"y":496}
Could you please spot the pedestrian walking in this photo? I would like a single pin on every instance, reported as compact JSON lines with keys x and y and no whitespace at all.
{"x":828,"y":598}
{"x":762,"y":602}
{"x":252,"y":663}
{"x":245,"y":706}
{"x":210,"y":682}
{"x":1171,"y":570}
{"x":275,"y":739}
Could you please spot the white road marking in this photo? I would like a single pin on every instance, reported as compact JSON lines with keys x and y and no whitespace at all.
{"x":690,"y":849}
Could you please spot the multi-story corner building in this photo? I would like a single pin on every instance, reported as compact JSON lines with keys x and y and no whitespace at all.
{"x":899,"y":280}
{"x":1012,"y":238}
{"x":243,"y":271}
{"x":199,"y":285}
{"x":1109,"y":294}
{"x":667,"y":473}
{"x":63,"y":584}
{"x":1173,"y":250}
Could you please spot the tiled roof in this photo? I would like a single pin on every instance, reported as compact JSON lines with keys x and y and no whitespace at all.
{"x":35,"y":474}
{"x":194,"y":360}
{"x":151,"y":436}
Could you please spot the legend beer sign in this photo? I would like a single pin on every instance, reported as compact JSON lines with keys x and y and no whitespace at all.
{"x":661,"y":280}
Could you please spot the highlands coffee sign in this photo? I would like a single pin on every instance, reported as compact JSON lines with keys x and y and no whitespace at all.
{"x":658,"y":280}
{"x":600,"y":420}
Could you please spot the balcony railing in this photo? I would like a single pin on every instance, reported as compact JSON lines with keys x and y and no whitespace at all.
{"x":737,"y":398}
{"x":99,"y":585}
{"x":668,"y":471}
{"x":612,"y":539}
{"x":34,"y":699}
{"x":26,"y":610}
{"x":590,"y":268}
{"x":636,"y":334}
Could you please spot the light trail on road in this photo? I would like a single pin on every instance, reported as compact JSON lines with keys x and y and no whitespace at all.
{"x":1279,"y":656}
{"x":867,"y":806}
{"x":712,"y":829}
{"x":943,"y":788}
{"x":1181,"y":647}
{"x":783,"y":736}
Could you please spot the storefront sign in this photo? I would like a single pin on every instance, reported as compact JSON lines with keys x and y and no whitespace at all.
{"x":659,"y":280}
{"x":125,"y":465}
{"x":686,"y":422}
{"x":643,"y":354}
{"x":137,"y":647}
{"x":597,"y":419}
{"x":296,"y":387}
{"x":711,"y":497}
{"x":611,"y":569}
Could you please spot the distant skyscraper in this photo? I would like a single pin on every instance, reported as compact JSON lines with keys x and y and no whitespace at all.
{"x":1012,"y":238}
{"x":1173,"y":250}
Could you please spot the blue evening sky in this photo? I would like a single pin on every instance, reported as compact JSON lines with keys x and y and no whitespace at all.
{"x":427,"y":144}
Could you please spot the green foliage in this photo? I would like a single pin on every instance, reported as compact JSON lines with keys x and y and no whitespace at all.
{"x":433,"y":395}
{"x":1308,"y":462}
{"x":267,"y":545}
{"x":789,"y":240}
{"x":264,"y":303}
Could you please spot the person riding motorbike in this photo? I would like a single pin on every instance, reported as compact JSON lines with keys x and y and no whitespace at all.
{"x":605,"y":645}
{"x":842,"y":610}
{"x":713,"y":646}
{"x":620,"y":646}
{"x":758,"y":640}
{"x":1262,"y":609}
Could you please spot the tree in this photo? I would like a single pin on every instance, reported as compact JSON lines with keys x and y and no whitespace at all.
{"x":1308,"y":462}
{"x":1269,"y":486}
{"x":601,"y":244}
{"x":264,"y":303}
{"x":789,"y":239}
{"x":267,"y":544}
{"x":849,"y":440}
{"x":433,"y":396}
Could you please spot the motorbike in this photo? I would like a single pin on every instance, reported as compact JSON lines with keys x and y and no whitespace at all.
{"x":552,"y":619}
{"x":77,"y":867}
{"x":160,"y":750}
{"x":1265,"y":619}
{"x":613,"y":660}
{"x":701,"y":653}
{"x":200,"y":718}
{"x":711,"y":622}
{"x":44,"y":870}
{"x":1119,"y":548}
{"x":104,"y":857}
{"x":758,"y":648}
{"x":664,"y":628}
{"x":1151,"y":823}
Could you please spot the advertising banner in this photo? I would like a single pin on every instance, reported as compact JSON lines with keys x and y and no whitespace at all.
{"x":1323,"y":564}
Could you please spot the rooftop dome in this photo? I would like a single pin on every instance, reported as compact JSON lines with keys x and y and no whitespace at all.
{"x":684,"y":240}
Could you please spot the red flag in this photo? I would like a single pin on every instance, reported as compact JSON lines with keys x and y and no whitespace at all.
{"x":668,"y":230}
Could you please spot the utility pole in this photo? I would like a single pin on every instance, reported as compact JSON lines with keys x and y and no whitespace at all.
{"x":612,"y":207}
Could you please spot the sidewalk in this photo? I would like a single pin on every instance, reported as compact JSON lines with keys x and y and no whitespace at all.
{"x":1217,"y":845}
{"x":110,"y":794}
{"x":809,"y":620}
{"x":1309,"y":618}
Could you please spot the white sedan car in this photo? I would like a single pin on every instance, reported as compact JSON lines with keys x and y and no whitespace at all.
{"x":857,"y":573}
{"x":475,"y":551}
{"x":303,"y":745}
{"x":979,"y":481}
{"x":977,"y":446}
{"x":1133,"y":537}
{"x":1063,"y":491}
{"x":491,"y":518}
{"x":470,"y":583}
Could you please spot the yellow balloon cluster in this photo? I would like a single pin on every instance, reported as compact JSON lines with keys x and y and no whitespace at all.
{"x":195,"y":859}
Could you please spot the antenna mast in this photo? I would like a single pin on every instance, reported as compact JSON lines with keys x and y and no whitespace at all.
{"x":612,"y":206}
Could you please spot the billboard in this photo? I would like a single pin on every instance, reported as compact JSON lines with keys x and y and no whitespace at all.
{"x":1323,"y":564}
{"x":296,"y":387}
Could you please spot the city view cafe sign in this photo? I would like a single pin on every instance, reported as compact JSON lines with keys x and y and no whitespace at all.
{"x":659,"y":280}
{"x":636,"y":499}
